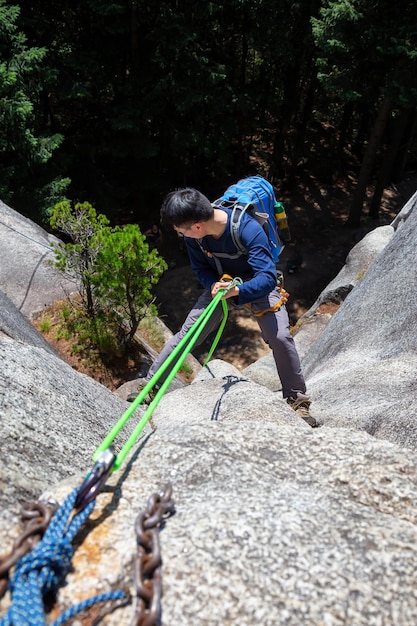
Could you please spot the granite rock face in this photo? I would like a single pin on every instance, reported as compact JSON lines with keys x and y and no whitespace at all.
{"x":276,"y":523}
{"x":26,"y":274}
{"x":362,"y":370}
{"x":358,"y":261}
{"x":15,"y":325}
{"x":52,"y":419}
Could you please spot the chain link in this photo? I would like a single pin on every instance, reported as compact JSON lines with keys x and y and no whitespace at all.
{"x":35,"y":517}
{"x":148,"y":570}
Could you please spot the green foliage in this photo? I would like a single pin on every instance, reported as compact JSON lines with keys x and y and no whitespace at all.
{"x":113,"y":265}
{"x":81,"y":224}
{"x":366,"y":48}
{"x":51,"y":194}
{"x":24,"y":148}
{"x":148,"y":326}
{"x":45,"y":325}
{"x":125,"y":270}
{"x":98,"y":333}
{"x":187,"y":370}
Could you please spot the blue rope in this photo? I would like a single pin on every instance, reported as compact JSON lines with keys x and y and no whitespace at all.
{"x":86,"y":604}
{"x":43,"y":570}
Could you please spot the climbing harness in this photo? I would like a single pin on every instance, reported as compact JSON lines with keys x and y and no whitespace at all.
{"x":283,"y":299}
{"x":284,"y":295}
{"x":43,"y":569}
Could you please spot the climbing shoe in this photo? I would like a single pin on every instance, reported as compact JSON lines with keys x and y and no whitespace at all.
{"x":301,"y":405}
{"x":141,"y":384}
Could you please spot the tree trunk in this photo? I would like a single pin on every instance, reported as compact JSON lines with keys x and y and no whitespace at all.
{"x":134,"y":50}
{"x":363,"y":111}
{"x":306,"y":113}
{"x":368,"y":162}
{"x":388,"y":161}
{"x":288,"y":106}
{"x":401,"y":156}
{"x":348,"y":110}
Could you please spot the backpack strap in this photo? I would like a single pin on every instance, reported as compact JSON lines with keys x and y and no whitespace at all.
{"x":235,"y":220}
{"x":238,"y":209}
{"x":212,"y":256}
{"x":236,"y":217}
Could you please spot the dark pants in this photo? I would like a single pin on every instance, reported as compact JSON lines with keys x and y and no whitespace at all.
{"x":275,"y":330}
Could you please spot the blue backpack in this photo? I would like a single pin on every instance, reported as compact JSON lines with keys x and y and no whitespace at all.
{"x":253,"y":195}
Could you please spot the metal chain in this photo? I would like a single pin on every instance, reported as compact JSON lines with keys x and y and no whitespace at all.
{"x":148,"y":570}
{"x":35,"y":517}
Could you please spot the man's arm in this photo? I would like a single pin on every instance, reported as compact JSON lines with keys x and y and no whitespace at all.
{"x":259,"y":258}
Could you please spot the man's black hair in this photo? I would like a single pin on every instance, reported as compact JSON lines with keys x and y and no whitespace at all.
{"x":184,"y":207}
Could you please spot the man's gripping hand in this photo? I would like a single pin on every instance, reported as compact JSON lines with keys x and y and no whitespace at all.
{"x":224,"y":283}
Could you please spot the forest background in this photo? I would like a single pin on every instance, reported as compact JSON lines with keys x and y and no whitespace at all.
{"x":116,"y":102}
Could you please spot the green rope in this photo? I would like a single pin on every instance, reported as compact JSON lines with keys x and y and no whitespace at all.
{"x":233,"y":283}
{"x":219,"y":333}
{"x":185,"y":345}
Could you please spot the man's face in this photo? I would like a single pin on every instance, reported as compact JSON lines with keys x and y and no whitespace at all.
{"x":190,"y":230}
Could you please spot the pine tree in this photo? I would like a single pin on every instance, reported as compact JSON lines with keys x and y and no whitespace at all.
{"x":24,"y":150}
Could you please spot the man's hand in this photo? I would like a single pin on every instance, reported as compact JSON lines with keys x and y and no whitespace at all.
{"x":234,"y":291}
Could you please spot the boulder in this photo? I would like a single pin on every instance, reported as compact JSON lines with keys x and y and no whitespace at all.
{"x":359,"y":259}
{"x":27,"y":276}
{"x":15,"y":325}
{"x":307,"y":331}
{"x":52,"y":420}
{"x":274,"y":525}
{"x":362,"y":370}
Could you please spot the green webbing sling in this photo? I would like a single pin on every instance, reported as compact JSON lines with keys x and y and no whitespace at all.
{"x":184,"y":347}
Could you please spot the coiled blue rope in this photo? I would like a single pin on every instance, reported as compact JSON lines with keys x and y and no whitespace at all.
{"x":43,"y":570}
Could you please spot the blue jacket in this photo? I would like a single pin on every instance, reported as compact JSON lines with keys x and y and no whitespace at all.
{"x":256,"y":268}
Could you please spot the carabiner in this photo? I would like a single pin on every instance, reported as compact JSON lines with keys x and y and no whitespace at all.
{"x":95,"y":480}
